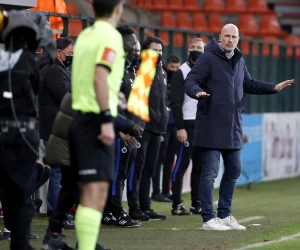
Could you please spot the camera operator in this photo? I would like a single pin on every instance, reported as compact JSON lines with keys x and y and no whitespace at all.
{"x":19,"y":140}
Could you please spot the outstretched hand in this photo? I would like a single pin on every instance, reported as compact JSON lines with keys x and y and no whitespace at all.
{"x":202,"y":95}
{"x":284,"y":84}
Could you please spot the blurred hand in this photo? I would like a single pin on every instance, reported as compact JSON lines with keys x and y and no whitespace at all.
{"x":182,"y":135}
{"x":136,"y":131}
{"x":202,"y":95}
{"x":284,"y":84}
{"x":128,"y":140}
{"x":107,"y":135}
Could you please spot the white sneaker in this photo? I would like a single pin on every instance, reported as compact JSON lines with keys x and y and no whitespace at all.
{"x":231,"y":222}
{"x":215,"y":224}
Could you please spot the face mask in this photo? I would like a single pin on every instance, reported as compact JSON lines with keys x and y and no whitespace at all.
{"x":68,"y":61}
{"x":159,"y":58}
{"x":136,"y":60}
{"x":194,"y":55}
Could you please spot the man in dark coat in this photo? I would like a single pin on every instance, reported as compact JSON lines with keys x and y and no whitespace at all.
{"x":220,"y":80}
{"x":56,"y":83}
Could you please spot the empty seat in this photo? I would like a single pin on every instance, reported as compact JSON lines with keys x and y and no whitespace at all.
{"x":184,"y":21}
{"x":175,"y":5}
{"x":140,"y":3}
{"x":215,"y":23}
{"x":75,"y":27}
{"x":247,"y":25}
{"x":72,"y":8}
{"x":191,"y":5}
{"x":266,"y":47}
{"x":235,"y":6}
{"x":157,"y":5}
{"x":269,"y":25}
{"x":213,"y":6}
{"x":200,"y":23}
{"x":245,"y":47}
{"x":168,"y":20}
{"x":292,"y":40}
{"x":258,"y":6}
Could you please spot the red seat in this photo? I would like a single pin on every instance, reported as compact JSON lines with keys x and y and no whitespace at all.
{"x":269,"y":26}
{"x":245,"y":47}
{"x":235,"y":6}
{"x":215,"y":23}
{"x":140,"y":3}
{"x":247,"y":25}
{"x":184,"y":21}
{"x":213,"y":6}
{"x":75,"y":27}
{"x":258,"y":6}
{"x":157,"y":5}
{"x":266,"y":47}
{"x":168,"y":20}
{"x":72,"y":8}
{"x":200,"y":23}
{"x":191,"y":5}
{"x":175,"y":5}
{"x":292,"y":40}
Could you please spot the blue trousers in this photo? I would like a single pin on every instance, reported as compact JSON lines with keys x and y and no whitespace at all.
{"x":210,"y":169}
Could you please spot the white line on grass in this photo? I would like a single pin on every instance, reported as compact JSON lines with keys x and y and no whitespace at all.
{"x":284,"y":238}
{"x":250,"y":219}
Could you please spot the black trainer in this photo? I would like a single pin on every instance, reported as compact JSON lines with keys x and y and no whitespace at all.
{"x":109,"y":220}
{"x":138,"y":215}
{"x":125,"y":221}
{"x":55,"y":242}
{"x":7,"y":233}
{"x":160,"y":198}
{"x":180,"y":210}
{"x":154,"y":216}
{"x":4,"y":237}
{"x":196,"y":210}
{"x":68,"y":225}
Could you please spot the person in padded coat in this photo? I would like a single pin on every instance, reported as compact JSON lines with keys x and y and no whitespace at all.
{"x":56,"y":83}
{"x":220,"y":80}
{"x":145,"y":162}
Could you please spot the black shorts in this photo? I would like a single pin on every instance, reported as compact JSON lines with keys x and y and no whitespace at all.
{"x":92,"y":160}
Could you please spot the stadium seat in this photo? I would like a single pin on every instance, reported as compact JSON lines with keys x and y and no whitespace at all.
{"x":184,"y":21}
{"x":168,"y":20}
{"x":157,"y":5}
{"x":245,"y":47}
{"x":213,"y":6}
{"x":75,"y":27}
{"x":72,"y":8}
{"x":269,"y":26}
{"x":247,"y":25}
{"x":235,"y":6}
{"x":175,"y":5}
{"x":266,"y":47}
{"x":200,"y":23}
{"x":292,"y":40}
{"x":191,"y":5}
{"x":215,"y":23}
{"x":258,"y":6}
{"x":140,"y":3}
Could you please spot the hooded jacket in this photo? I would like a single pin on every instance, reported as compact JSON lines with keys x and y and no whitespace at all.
{"x":56,"y":83}
{"x":219,"y":117}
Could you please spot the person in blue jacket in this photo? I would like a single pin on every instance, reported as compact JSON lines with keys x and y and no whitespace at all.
{"x":220,"y":80}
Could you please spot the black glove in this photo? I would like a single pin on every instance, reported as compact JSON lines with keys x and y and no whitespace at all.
{"x":136,"y":131}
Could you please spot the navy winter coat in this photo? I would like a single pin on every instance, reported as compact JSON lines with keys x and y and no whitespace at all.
{"x":219,"y":117}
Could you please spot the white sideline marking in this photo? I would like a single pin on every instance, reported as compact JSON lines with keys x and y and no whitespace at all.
{"x":284,"y":238}
{"x":250,"y":219}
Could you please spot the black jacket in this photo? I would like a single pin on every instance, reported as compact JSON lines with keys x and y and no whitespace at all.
{"x":24,"y":81}
{"x":219,"y":117}
{"x":56,"y":83}
{"x":126,"y":87}
{"x":158,"y":103}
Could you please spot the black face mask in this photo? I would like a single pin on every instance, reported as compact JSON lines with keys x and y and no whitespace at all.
{"x":170,"y":74}
{"x":136,"y":61}
{"x":194,"y":55}
{"x":68,"y":61}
